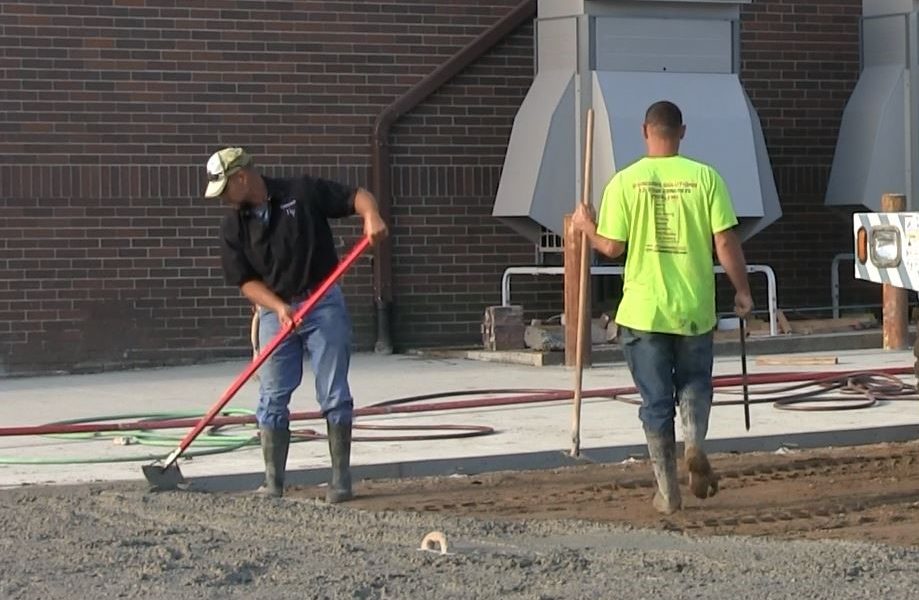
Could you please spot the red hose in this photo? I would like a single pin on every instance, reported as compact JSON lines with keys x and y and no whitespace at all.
{"x":720,"y":381}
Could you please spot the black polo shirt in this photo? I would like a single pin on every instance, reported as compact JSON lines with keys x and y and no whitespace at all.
{"x":290,"y":248}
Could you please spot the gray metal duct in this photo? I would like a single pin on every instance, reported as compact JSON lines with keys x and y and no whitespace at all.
{"x":620,"y":56}
{"x":877,"y":144}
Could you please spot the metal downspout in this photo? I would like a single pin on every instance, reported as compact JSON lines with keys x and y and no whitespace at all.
{"x":380,"y":160}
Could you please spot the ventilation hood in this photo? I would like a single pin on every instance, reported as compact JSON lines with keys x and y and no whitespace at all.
{"x":877,"y":145}
{"x":619,"y":57}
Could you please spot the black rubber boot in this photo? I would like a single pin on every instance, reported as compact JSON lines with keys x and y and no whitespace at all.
{"x":340,"y":451}
{"x":275,"y":444}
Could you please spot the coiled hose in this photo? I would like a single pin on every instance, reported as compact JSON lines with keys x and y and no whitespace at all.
{"x":824,"y":391}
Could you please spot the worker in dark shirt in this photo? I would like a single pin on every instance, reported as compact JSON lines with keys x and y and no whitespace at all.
{"x":277,"y":247}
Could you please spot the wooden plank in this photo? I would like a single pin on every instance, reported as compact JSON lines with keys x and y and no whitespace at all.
{"x":777,"y":360}
{"x":811,"y":326}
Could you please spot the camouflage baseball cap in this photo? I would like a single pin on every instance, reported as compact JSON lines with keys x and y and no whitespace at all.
{"x":220,"y":166}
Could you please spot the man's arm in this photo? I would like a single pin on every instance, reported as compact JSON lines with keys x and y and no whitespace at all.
{"x":366,"y":206}
{"x":260,"y":294}
{"x":583,"y":221}
{"x":730,"y":255}
{"x":723,"y":220}
{"x":337,"y":200}
{"x":605,"y":246}
{"x":365,"y":203}
{"x":238,"y":272}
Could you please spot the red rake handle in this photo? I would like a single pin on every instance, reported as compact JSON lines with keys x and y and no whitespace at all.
{"x":271,"y":347}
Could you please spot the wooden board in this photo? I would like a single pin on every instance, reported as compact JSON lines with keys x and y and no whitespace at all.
{"x":776,"y":360}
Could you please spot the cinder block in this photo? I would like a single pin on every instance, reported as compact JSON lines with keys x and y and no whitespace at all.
{"x":503,"y":328}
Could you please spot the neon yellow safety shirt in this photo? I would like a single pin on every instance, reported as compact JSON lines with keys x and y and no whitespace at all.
{"x":667,"y":209}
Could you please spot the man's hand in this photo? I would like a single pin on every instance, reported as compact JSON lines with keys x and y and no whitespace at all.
{"x":743,"y":304}
{"x":375,"y":228}
{"x":583,"y":219}
{"x":285,"y":314}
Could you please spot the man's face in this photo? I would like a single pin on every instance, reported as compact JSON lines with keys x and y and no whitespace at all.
{"x":236,"y":192}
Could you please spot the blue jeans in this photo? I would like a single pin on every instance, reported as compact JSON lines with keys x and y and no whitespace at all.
{"x":669,"y":370}
{"x":324,"y":336}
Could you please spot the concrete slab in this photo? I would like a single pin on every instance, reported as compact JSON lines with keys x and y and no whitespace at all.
{"x":611,"y":353}
{"x":531,"y":435}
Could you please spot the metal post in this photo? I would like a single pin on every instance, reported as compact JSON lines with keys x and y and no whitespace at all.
{"x":834,"y":280}
{"x":896,"y":304}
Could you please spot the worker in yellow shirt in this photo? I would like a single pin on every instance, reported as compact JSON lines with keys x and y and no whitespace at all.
{"x":670,"y":212}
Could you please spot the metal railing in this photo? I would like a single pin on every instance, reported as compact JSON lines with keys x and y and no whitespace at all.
{"x":772,"y":300}
{"x":834,"y":280}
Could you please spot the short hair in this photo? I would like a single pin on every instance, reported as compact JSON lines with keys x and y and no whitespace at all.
{"x":665,"y":117}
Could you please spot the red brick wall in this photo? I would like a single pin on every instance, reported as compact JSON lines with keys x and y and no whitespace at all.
{"x":108,"y":109}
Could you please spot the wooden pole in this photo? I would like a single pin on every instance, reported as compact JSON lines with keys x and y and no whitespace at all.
{"x":583,"y":335}
{"x":896,"y":303}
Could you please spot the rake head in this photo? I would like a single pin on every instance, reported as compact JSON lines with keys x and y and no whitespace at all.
{"x":164,"y":478}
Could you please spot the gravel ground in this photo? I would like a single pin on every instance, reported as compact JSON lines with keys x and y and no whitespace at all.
{"x":118,"y":541}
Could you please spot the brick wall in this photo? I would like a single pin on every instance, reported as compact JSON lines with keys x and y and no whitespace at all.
{"x":447,"y":155}
{"x":800,"y":64}
{"x":108,"y":109}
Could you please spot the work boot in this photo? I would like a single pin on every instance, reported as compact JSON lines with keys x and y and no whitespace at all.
{"x":340,"y":451}
{"x":662,"y":448}
{"x":275,"y":444}
{"x":694,"y":413}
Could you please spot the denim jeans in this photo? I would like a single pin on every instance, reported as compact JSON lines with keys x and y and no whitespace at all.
{"x":669,"y":370}
{"x":325,"y":337}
